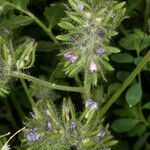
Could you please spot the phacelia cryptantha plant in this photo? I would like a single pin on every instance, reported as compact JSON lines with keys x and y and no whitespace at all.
{"x":89,"y":26}
{"x":50,"y":129}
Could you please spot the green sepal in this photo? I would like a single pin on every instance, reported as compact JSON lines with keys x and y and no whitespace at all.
{"x":72,"y":109}
{"x":66,"y":25}
{"x":77,"y":19}
{"x":63,"y":37}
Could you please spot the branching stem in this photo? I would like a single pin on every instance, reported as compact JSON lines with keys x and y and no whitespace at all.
{"x":125,"y":84}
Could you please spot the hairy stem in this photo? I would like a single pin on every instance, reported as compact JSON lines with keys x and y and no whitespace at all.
{"x":146,"y":15}
{"x":45,"y":83}
{"x":47,"y":30}
{"x":125,"y":84}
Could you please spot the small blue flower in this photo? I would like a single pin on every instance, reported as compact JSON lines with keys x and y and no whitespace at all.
{"x":99,"y":51}
{"x":91,"y":103}
{"x":68,"y":54}
{"x":75,"y":37}
{"x":93,"y":67}
{"x":33,"y":136}
{"x":47,"y":112}
{"x":48,"y":126}
{"x":73,"y":128}
{"x":101,"y":33}
{"x":73,"y":59}
{"x":100,"y":136}
{"x":80,"y":6}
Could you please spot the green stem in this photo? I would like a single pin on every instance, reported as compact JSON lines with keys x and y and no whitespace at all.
{"x":87,"y":86}
{"x":45,"y":83}
{"x":146,"y":15}
{"x":125,"y":84}
{"x":28,"y":93}
{"x":47,"y":30}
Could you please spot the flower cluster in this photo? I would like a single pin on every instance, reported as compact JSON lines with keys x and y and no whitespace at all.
{"x":89,"y":31}
{"x":48,"y":131}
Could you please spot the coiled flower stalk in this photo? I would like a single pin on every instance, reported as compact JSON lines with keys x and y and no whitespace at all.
{"x":89,"y":26}
{"x":48,"y":129}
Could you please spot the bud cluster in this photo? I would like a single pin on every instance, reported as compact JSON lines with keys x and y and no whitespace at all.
{"x":89,"y":31}
{"x":47,"y":130}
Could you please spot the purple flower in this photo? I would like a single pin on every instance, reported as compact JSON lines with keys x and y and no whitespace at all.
{"x":91,"y":103}
{"x":99,"y":51}
{"x":68,"y":54}
{"x":73,"y":128}
{"x":73,"y":59}
{"x":75,"y":37}
{"x":101,"y":33}
{"x":33,"y":136}
{"x":113,"y":15}
{"x":100,"y":136}
{"x":47,"y":112}
{"x":104,"y":14}
{"x":80,"y":6}
{"x":48,"y":126}
{"x":93,"y":67}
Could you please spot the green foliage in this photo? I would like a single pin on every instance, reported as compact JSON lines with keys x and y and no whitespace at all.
{"x":54,"y":13}
{"x":134,"y":94}
{"x":83,"y":23}
{"x":54,"y":132}
{"x":124,"y":125}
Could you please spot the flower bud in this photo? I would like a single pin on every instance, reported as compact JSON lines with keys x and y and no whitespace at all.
{"x":73,"y":59}
{"x":68,"y":54}
{"x":73,"y":128}
{"x":75,"y":37}
{"x":93,"y":67}
{"x":80,"y":6}
{"x":47,"y":112}
{"x":100,"y":136}
{"x":99,"y":51}
{"x":32,"y":136}
{"x":101,"y":33}
{"x":48,"y":126}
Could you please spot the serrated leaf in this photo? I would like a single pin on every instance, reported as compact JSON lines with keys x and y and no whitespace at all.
{"x":146,"y":106}
{"x":122,"y":58}
{"x":136,"y":41}
{"x":112,"y":49}
{"x":15,"y":22}
{"x":77,"y":19}
{"x":63,"y":37}
{"x":134,"y":94}
{"x":54,"y":13}
{"x":124,"y":125}
{"x":66,"y":25}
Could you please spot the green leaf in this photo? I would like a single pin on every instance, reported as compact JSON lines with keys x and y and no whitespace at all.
{"x":122,"y":58}
{"x":66,"y":25}
{"x":141,"y":141}
{"x":112,"y":49}
{"x":21,"y":3}
{"x":124,"y":125}
{"x":113,"y":88}
{"x":122,"y":75}
{"x":15,"y":22}
{"x":63,"y":37}
{"x":54,"y":13}
{"x":134,"y":94}
{"x":146,"y":106}
{"x":136,"y":41}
